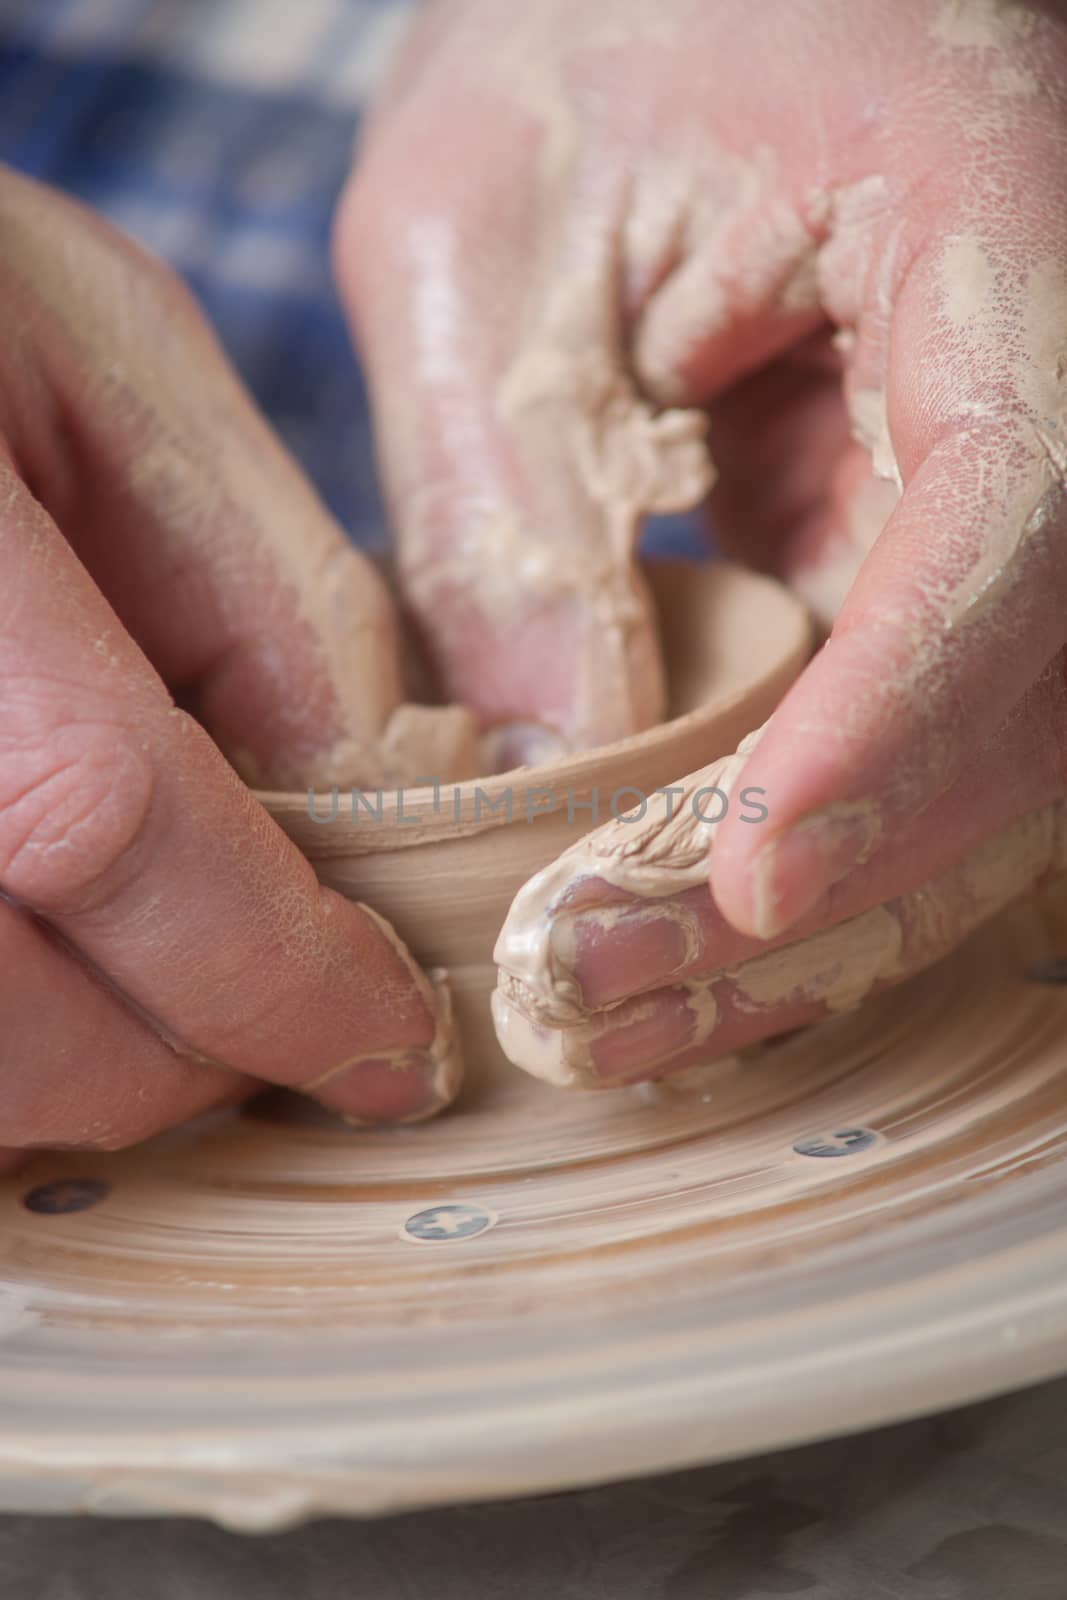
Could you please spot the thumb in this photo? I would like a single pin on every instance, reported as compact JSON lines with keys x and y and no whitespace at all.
{"x":517,"y":455}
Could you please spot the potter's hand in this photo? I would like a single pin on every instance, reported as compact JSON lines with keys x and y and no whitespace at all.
{"x":161,"y":942}
{"x":616,"y":964}
{"x":840,"y":231}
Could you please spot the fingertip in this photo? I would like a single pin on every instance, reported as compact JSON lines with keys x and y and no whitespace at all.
{"x":384,"y":1091}
{"x":735,"y":895}
{"x":384,"y":1086}
{"x":775,"y":888}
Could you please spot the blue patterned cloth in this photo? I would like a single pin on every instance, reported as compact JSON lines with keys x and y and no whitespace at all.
{"x":219,"y":133}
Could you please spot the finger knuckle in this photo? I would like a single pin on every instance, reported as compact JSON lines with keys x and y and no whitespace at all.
{"x":72,"y":805}
{"x":409,"y":197}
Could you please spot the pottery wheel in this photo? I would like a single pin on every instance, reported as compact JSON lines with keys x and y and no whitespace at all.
{"x":269,"y":1315}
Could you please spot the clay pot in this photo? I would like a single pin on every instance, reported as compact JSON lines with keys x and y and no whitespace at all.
{"x":444,"y":867}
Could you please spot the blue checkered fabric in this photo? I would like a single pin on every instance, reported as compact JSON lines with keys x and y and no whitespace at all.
{"x":219,"y":133}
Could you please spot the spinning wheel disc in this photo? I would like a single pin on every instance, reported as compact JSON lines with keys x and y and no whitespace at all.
{"x":269,"y":1315}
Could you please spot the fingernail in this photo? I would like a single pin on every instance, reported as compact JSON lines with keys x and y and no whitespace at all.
{"x":636,"y":1041}
{"x":655,"y":1032}
{"x":793,"y":872}
{"x":618,"y":950}
{"x":381,"y":1090}
{"x":399,"y":1086}
{"x":734,"y":765}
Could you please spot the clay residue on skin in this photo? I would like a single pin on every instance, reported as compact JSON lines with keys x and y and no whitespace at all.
{"x":837,"y":968}
{"x":623,"y":459}
{"x":870,"y":427}
{"x":202,"y":466}
{"x":630,"y":458}
{"x":998,"y":324}
{"x":982,"y":24}
{"x":443,"y":1053}
{"x":663,"y":853}
{"x":969,"y":280}
{"x":578,"y":455}
{"x":542,"y":1021}
{"x":998,"y":869}
{"x":737,"y":242}
{"x":995,"y":369}
{"x":1022,"y":857}
{"x":1017,"y":82}
{"x":539,"y":1049}
{"x":563,"y":1056}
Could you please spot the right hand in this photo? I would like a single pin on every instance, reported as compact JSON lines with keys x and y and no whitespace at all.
{"x":163,"y":946}
{"x":837,"y":232}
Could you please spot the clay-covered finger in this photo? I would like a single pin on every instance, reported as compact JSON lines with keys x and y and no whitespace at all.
{"x":612,"y":923}
{"x":700,"y":1019}
{"x":518,"y":457}
{"x":651,"y":862}
{"x":958,"y":608}
{"x":196,"y":523}
{"x":124,"y":827}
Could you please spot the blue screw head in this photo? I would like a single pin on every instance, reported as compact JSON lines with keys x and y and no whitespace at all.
{"x":65,"y":1194}
{"x":441,"y":1224}
{"x":839,"y":1142}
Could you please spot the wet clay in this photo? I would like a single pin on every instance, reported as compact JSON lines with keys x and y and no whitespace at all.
{"x":542,"y":1022}
{"x":443,"y":863}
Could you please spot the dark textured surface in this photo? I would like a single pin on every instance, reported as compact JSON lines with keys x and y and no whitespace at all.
{"x":971,"y":1505}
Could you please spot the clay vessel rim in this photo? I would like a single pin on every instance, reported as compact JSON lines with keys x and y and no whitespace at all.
{"x":576,"y":766}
